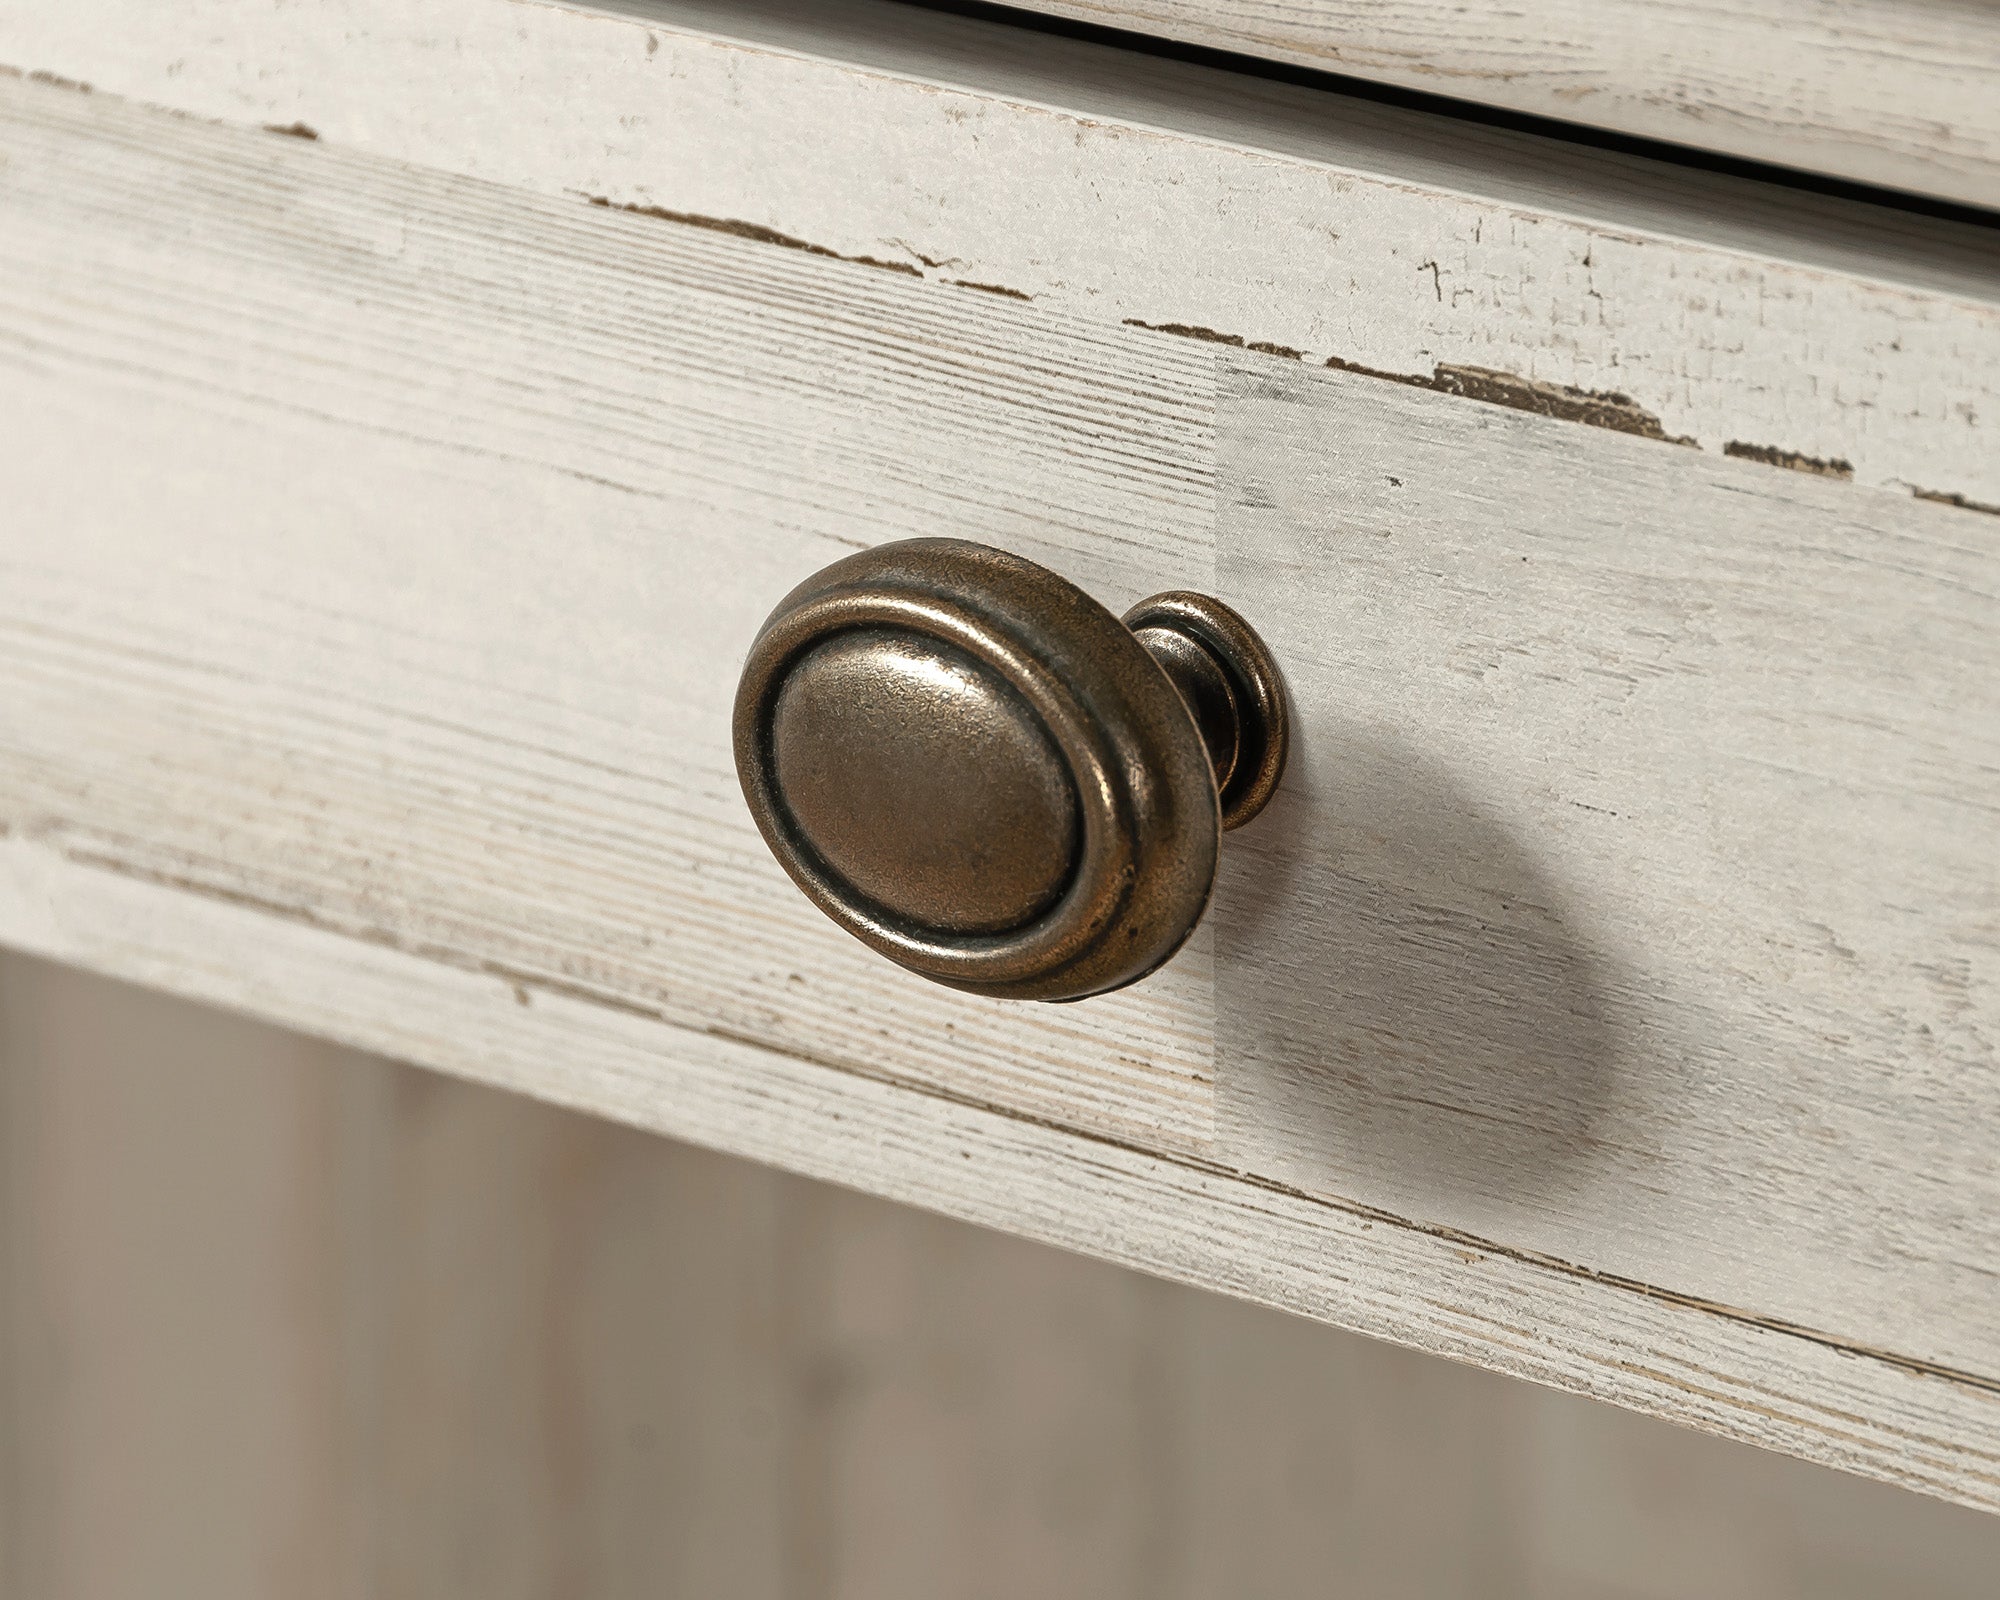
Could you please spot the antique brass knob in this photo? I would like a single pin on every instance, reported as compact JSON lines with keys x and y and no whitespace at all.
{"x":970,"y":764}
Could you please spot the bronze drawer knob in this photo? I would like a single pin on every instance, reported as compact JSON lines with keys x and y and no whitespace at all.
{"x":974,"y":767}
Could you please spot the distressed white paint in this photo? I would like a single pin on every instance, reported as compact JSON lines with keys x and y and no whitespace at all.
{"x":1635,"y":896}
{"x":1140,"y":190}
{"x":1898,"y":92}
{"x":493,"y":491}
{"x":380,"y":547}
{"x":1540,"y":1320}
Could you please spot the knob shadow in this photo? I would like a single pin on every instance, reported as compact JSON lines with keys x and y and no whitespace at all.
{"x":1406,"y":1012}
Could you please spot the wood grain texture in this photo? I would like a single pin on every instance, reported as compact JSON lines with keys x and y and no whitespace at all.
{"x":177,"y":1405}
{"x":1895,"y":92}
{"x":1142,"y":191}
{"x":712,"y":427}
{"x":1634,"y":896}
{"x":381,"y":546}
{"x":1186,"y":1220}
{"x":297,"y":1321}
{"x":543,"y":1354}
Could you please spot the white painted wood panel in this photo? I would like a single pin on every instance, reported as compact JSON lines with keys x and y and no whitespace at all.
{"x":1130,"y":191}
{"x":1897,"y":92}
{"x":382,"y":542}
{"x":567,"y":476}
{"x":1185,"y":1219}
{"x":1634,"y":894}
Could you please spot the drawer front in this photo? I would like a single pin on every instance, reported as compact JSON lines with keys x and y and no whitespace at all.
{"x":1606,"y":998}
{"x":1632,"y":898}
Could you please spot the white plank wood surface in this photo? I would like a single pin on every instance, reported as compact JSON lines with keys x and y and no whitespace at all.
{"x":1895,"y":92}
{"x":1143,"y":192}
{"x":1557,"y":1323}
{"x":1633,"y":897}
{"x":644,"y":431}
{"x":382,"y":542}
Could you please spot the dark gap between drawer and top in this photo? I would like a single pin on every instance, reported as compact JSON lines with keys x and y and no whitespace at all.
{"x":1404,"y":137}
{"x":1582,"y":134}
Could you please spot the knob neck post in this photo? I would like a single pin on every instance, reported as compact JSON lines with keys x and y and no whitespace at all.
{"x":1229,"y":681}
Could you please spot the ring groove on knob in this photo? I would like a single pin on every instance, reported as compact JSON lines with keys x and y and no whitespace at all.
{"x":1147,"y":811}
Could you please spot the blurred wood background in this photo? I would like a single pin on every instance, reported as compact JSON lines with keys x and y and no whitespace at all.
{"x":280,"y":1319}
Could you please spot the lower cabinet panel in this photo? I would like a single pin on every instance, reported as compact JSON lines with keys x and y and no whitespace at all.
{"x":282,"y":1316}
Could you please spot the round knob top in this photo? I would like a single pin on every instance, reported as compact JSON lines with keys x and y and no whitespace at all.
{"x":924,"y":781}
{"x":977,"y":769}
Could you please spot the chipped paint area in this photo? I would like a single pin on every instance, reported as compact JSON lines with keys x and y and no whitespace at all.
{"x":53,"y":80}
{"x":1228,"y":225}
{"x":1790,"y":460}
{"x":754,"y":231}
{"x":1958,"y":500}
{"x":1595,"y":408}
